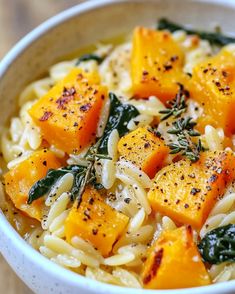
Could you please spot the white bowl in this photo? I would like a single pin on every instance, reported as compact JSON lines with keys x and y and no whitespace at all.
{"x":77,"y":27}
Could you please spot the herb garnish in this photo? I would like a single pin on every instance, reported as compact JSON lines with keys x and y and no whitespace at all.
{"x":214,"y":38}
{"x":184,"y":124}
{"x":177,"y":105}
{"x":183,"y":129}
{"x":87,"y":57}
{"x":219,"y":245}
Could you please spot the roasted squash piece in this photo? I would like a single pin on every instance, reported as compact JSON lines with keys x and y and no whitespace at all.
{"x":95,"y":221}
{"x":213,"y":86}
{"x":228,"y":142}
{"x":174,"y":262}
{"x":68,"y":114}
{"x":23,"y":176}
{"x":156,"y":64}
{"x":187,"y":191}
{"x":144,"y":148}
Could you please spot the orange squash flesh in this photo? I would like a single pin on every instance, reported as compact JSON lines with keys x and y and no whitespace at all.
{"x":174,"y":262}
{"x":186,"y":192}
{"x":213,"y":86}
{"x":20,"y":179}
{"x":68,"y":114}
{"x":95,"y":221}
{"x":156,"y":64}
{"x":145,"y":149}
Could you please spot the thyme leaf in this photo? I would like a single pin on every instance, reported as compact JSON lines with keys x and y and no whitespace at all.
{"x":176,"y":106}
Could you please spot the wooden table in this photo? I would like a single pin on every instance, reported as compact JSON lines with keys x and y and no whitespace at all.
{"x":18,"y":17}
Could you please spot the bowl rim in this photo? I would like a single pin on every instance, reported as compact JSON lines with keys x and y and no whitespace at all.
{"x":7,"y":229}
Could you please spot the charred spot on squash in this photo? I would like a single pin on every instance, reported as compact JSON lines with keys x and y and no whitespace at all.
{"x":155,"y":266}
{"x":173,"y":261}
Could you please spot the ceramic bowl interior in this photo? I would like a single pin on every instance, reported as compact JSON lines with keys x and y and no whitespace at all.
{"x":75,"y":28}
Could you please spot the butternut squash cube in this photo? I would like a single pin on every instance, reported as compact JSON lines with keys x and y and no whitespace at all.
{"x":174,"y":262}
{"x":68,"y":114}
{"x":213,"y":86}
{"x":20,"y":179}
{"x":145,"y":149}
{"x":95,"y":221}
{"x":187,"y":192}
{"x":156,"y":64}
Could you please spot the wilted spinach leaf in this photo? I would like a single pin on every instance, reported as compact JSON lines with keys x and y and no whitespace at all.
{"x":218,"y":245}
{"x":87,"y":57}
{"x":119,"y":116}
{"x":213,"y":38}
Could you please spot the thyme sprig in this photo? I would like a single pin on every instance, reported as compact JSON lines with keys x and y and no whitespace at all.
{"x":176,"y":106}
{"x":183,"y":129}
{"x":184,"y":124}
{"x":88,"y":176}
{"x":94,"y":154}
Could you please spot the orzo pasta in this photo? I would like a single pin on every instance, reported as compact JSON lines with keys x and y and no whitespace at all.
{"x":120,"y":164}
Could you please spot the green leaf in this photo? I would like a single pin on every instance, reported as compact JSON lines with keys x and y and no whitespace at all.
{"x":43,"y":186}
{"x":219,"y":245}
{"x":214,"y":38}
{"x":87,"y":57}
{"x":119,"y":116}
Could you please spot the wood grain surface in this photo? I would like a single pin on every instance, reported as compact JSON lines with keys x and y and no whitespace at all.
{"x":18,"y":17}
